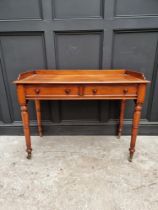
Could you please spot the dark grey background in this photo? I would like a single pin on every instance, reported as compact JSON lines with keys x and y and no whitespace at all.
{"x":73,"y":34}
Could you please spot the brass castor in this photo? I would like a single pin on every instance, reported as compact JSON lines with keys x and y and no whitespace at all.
{"x":119,"y":136}
{"x":29,"y":153}
{"x":131,"y":153}
{"x":130,"y":157}
{"x":40,"y":133}
{"x":29,"y":156}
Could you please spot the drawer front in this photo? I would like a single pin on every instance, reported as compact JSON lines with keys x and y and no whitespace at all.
{"x":51,"y":90}
{"x":110,"y":90}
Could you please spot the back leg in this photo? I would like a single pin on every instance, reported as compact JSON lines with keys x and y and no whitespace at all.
{"x":122,"y":113}
{"x":38,"y":113}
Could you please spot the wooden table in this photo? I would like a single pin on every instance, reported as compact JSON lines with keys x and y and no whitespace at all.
{"x":81,"y":85}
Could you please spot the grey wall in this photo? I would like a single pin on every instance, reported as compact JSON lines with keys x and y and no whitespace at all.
{"x":96,"y":34}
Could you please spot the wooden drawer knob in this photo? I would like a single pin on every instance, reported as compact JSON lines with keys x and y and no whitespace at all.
{"x":67,"y":91}
{"x":125,"y":91}
{"x":37,"y":91}
{"x":94,"y":91}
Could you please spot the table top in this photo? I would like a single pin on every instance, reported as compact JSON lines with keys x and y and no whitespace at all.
{"x":80,"y":77}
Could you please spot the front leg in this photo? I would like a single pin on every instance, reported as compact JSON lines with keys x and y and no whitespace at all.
{"x":136,"y":119}
{"x":26,"y":127}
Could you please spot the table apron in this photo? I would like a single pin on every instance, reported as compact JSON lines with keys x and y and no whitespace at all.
{"x":81,"y":92}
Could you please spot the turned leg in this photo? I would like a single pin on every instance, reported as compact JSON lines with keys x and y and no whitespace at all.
{"x":38,"y":113}
{"x":136,"y":119}
{"x":25,"y":119}
{"x":122,"y":113}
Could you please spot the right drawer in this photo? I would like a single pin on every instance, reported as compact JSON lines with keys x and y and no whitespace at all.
{"x":113,"y":90}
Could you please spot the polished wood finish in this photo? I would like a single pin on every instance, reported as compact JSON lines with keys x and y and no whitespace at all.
{"x":81,"y":85}
{"x":80,"y":77}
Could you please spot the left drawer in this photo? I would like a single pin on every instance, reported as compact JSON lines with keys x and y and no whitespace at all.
{"x":46,"y":91}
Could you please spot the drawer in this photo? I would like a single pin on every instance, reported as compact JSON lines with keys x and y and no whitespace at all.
{"x":110,"y":90}
{"x":51,"y":90}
